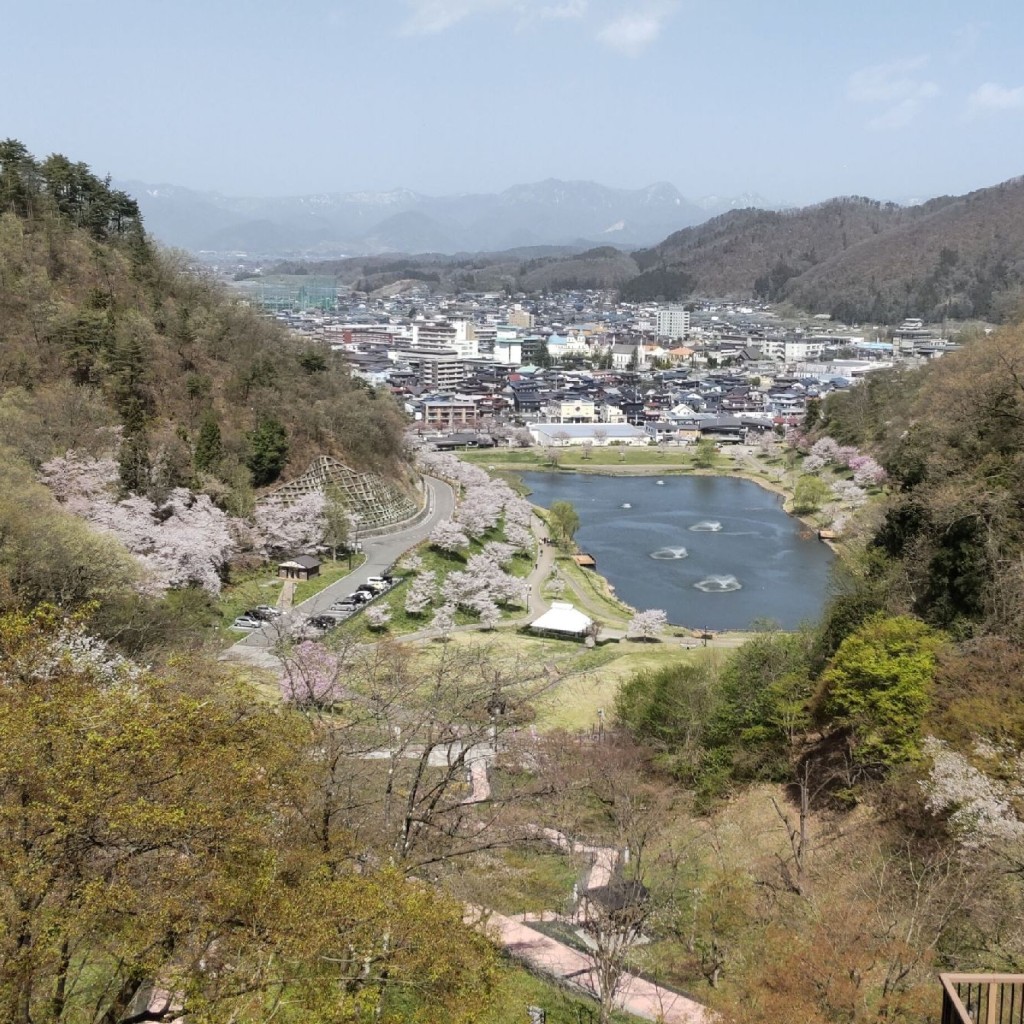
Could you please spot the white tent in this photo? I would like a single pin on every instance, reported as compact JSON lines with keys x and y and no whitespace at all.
{"x":562,"y":618}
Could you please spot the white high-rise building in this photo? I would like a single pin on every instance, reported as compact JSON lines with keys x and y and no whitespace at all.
{"x":439,"y":335}
{"x":673,"y":322}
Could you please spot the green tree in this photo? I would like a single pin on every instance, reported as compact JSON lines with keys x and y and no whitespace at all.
{"x":209,"y":447}
{"x":148,"y":822}
{"x":134,"y":466}
{"x":705,"y":453}
{"x":313,"y":362}
{"x":879,"y":686}
{"x":542,"y":356}
{"x":812,"y":414}
{"x":563,"y":521}
{"x":337,"y":518}
{"x":268,"y":451}
{"x":810,"y":494}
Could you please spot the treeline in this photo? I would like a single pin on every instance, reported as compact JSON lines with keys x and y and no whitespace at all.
{"x":34,"y":189}
{"x":202,"y":391}
{"x":951,"y":540}
{"x":116,"y":350}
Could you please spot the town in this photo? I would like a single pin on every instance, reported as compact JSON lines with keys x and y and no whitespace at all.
{"x":581,"y":368}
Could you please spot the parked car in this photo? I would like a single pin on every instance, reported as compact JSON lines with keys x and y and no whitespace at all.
{"x":365,"y":588}
{"x":377,"y":582}
{"x":322,"y":621}
{"x":267,"y":612}
{"x":358,"y":597}
{"x":246,"y":622}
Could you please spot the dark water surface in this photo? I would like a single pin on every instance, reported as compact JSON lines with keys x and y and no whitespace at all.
{"x":710,"y":550}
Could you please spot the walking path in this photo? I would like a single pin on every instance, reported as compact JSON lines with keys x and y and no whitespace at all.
{"x":549,"y":956}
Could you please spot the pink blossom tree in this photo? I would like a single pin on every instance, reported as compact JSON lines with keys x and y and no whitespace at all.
{"x":311,"y":675}
{"x":185,"y":541}
{"x":448,"y":537}
{"x":290,"y":527}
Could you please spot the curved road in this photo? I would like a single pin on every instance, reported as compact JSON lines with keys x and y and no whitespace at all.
{"x":381,"y":553}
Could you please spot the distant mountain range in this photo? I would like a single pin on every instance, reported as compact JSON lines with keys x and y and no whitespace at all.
{"x":552,"y":212}
{"x":954,"y":257}
{"x":856,"y":258}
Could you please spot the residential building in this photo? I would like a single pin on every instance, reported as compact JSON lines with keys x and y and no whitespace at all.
{"x":673,"y":323}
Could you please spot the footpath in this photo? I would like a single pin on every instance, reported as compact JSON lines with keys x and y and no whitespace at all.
{"x":641,"y":998}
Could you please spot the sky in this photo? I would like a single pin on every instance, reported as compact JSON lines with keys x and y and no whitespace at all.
{"x":794,"y":101}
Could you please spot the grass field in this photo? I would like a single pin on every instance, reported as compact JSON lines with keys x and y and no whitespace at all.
{"x":654,"y":457}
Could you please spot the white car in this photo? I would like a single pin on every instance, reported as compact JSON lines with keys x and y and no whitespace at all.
{"x":246,"y":622}
{"x":377,"y":582}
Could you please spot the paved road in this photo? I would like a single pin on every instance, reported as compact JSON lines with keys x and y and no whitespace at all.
{"x":381,"y":553}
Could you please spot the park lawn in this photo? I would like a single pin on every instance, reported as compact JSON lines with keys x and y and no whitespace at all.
{"x":593,"y":680}
{"x":591,"y":592}
{"x":576,"y":457}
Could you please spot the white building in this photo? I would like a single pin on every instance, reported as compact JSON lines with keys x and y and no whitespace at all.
{"x":562,"y":435}
{"x":673,"y":322}
{"x":437,"y":335}
{"x":791,"y":350}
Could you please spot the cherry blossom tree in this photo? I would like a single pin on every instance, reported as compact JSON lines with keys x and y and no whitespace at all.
{"x":519,"y":537}
{"x":444,"y":620}
{"x":648,"y":624}
{"x":482,"y":581}
{"x":377,"y":616}
{"x":499,"y":552}
{"x":412,"y":562}
{"x":421,"y":593}
{"x":866,"y":471}
{"x":288,"y":527}
{"x":184,"y":541}
{"x":311,"y":675}
{"x":447,"y":536}
{"x":981,"y":806}
{"x":489,"y":612}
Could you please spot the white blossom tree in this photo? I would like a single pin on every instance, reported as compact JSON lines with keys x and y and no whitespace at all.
{"x":444,"y":620}
{"x":981,"y":806}
{"x":446,"y":536}
{"x":377,"y":616}
{"x":421,"y":593}
{"x":648,"y":624}
{"x":290,"y":527}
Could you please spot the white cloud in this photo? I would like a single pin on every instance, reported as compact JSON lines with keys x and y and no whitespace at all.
{"x":429,"y":17}
{"x":633,"y":32}
{"x":898,"y":85}
{"x":992,"y":98}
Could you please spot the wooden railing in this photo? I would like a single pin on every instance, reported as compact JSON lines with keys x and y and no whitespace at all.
{"x":982,"y":998}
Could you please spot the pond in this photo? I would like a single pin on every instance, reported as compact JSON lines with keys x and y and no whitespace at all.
{"x":712,"y":551}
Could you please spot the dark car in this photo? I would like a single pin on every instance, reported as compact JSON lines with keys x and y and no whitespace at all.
{"x":322,"y":621}
{"x":365,"y":588}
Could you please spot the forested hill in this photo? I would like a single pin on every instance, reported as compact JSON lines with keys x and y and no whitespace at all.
{"x":855,"y":258}
{"x":104,"y":335}
{"x":951,"y":545}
